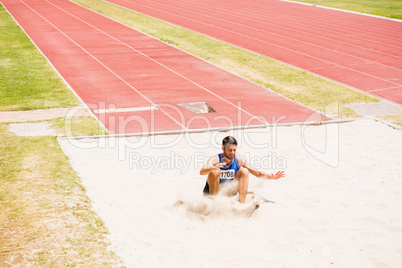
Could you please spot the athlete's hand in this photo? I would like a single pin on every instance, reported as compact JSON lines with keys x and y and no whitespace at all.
{"x":220,"y":165}
{"x":278,"y":175}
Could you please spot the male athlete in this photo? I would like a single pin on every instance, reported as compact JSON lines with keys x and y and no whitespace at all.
{"x":228,"y":166}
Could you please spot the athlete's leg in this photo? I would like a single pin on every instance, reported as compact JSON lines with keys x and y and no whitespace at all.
{"x":242,"y":177}
{"x":213,"y":181}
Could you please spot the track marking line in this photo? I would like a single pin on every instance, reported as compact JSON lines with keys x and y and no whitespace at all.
{"x":381,"y":89}
{"x":242,"y":12}
{"x":87,"y":52}
{"x":275,"y":25}
{"x":57,"y":71}
{"x":241,"y":9}
{"x":294,"y":51}
{"x":126,"y":110}
{"x":166,"y":67}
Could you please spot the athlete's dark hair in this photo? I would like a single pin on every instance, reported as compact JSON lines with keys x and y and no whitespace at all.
{"x":229,"y":140}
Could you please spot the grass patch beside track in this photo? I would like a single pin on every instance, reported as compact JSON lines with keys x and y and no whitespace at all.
{"x":27,"y":80}
{"x":394,"y":119}
{"x":78,"y":126}
{"x":46,"y":219}
{"x":298,"y":85}
{"x":385,"y":8}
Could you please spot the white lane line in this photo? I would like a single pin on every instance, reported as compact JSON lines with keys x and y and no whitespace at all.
{"x":263,"y":41}
{"x":381,"y":89}
{"x":57,"y":71}
{"x":268,"y":11}
{"x":87,"y":52}
{"x":276,"y":25}
{"x":126,"y":110}
{"x":161,"y":64}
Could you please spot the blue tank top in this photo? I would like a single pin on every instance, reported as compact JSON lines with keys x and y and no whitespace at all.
{"x":229,"y":171}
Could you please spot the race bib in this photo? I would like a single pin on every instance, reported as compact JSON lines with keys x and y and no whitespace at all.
{"x":228,"y":174}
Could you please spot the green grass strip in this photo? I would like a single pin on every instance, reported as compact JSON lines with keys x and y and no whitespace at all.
{"x":298,"y":85}
{"x":77,"y":126}
{"x":27,"y":80}
{"x":46,"y":219}
{"x":394,"y":119}
{"x":385,"y":8}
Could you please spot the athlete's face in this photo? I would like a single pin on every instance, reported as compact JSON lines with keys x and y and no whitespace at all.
{"x":229,"y":151}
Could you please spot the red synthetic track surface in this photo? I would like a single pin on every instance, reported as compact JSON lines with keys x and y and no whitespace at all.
{"x":110,"y":65}
{"x":363,"y":52}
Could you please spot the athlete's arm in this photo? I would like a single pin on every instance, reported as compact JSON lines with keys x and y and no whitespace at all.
{"x":259,"y":173}
{"x":212,"y":163}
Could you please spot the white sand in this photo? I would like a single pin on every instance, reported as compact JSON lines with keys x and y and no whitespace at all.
{"x":345,"y":215}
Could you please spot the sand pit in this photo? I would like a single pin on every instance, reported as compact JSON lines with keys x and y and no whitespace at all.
{"x":339,"y":205}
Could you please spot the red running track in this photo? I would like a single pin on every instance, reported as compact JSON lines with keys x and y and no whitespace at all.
{"x":362,"y":52}
{"x":122,"y":75}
